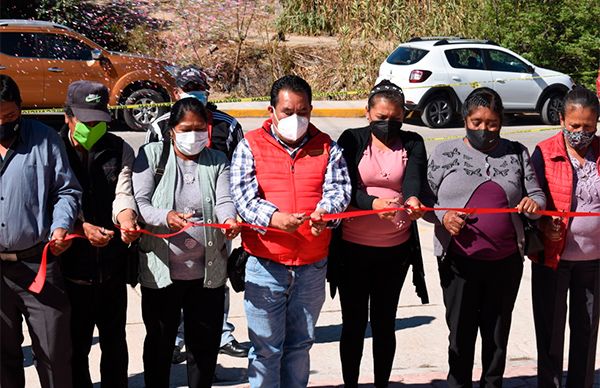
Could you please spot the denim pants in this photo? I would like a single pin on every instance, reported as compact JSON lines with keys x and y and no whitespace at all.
{"x":282,"y":306}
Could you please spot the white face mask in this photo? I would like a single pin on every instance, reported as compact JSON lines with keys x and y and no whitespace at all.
{"x":292,"y":127}
{"x":191,"y":143}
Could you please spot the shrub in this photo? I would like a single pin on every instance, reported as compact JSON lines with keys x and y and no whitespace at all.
{"x":563,"y":35}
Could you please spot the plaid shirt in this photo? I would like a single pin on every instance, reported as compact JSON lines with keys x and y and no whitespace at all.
{"x":258,"y":211}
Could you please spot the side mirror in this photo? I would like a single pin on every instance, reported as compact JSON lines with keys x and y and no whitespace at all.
{"x":530,"y":69}
{"x":96,"y":54}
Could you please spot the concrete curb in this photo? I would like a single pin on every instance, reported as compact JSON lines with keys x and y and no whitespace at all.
{"x":316,"y":112}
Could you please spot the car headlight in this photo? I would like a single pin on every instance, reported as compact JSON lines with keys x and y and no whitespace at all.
{"x":172,"y":69}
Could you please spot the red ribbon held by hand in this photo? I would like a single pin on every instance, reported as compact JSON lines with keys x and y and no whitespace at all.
{"x":360,"y":213}
{"x":40,"y":277}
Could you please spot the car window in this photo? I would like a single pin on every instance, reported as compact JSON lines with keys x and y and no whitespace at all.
{"x":465,"y":58}
{"x":18,"y":44}
{"x":501,"y":61}
{"x":64,"y":47}
{"x":406,"y":56}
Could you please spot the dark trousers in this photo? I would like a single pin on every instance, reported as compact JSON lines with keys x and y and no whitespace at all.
{"x":105,"y":306}
{"x":370,"y":282}
{"x":202,"y":322}
{"x":479,"y":295}
{"x":47,"y":315}
{"x":581,"y":280}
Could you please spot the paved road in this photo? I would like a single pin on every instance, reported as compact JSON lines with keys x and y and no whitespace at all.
{"x":513,"y":129}
{"x":335,"y":126}
{"x":421,"y":330}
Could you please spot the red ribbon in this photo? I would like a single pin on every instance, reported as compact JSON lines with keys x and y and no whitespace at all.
{"x":551,"y":213}
{"x":40,"y":278}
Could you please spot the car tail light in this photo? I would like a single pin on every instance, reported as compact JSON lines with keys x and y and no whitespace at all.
{"x":418,"y":76}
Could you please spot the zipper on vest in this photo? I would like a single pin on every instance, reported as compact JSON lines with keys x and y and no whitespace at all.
{"x":292,"y":183}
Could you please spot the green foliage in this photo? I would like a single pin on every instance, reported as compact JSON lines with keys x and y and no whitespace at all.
{"x":562,"y":35}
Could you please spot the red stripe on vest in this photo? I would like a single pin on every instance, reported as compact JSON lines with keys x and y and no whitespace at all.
{"x":558,"y":172}
{"x":294,"y":186}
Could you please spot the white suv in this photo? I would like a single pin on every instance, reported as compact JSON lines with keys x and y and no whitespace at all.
{"x":437,"y":74}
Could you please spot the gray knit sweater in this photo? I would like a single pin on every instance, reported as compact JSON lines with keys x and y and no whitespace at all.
{"x":456,"y":170}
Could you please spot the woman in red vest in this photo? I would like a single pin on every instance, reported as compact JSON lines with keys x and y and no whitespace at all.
{"x":387,"y":169}
{"x":567,"y":165}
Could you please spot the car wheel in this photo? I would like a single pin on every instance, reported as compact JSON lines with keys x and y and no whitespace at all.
{"x":551,"y":109}
{"x":438,"y":112}
{"x":138,"y":119}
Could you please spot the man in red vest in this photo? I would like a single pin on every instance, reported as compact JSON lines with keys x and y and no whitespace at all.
{"x":286,"y":175}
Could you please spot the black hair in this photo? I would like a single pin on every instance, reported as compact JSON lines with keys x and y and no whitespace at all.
{"x":388,"y":90}
{"x":69,"y":111}
{"x":583,"y":97}
{"x":9,"y":90}
{"x":181,"y":107}
{"x":483,"y":97}
{"x":290,"y":82}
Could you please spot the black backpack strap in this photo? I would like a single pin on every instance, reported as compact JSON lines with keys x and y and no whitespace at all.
{"x":164,"y":156}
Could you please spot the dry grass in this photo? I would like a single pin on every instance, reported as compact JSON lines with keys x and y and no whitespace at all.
{"x":364,"y":33}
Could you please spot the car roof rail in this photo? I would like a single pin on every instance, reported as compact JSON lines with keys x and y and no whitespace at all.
{"x":422,"y":38}
{"x":463,"y":41}
{"x":32,"y":23}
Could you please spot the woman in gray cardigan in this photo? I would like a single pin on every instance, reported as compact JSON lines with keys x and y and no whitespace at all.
{"x":481,"y":255}
{"x":175,"y":184}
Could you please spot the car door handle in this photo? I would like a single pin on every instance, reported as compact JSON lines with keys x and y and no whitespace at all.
{"x":455,"y":78}
{"x":500,"y":81}
{"x":55,"y":69}
{"x":2,"y":67}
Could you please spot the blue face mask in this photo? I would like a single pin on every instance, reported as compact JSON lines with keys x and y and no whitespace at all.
{"x":201,"y":96}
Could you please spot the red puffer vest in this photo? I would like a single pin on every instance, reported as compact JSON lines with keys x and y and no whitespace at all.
{"x":559,"y":191}
{"x":294,"y":186}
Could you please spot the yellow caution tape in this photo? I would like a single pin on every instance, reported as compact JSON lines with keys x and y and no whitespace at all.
{"x":329,"y":95}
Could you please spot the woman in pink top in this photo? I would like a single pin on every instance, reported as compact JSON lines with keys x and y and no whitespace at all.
{"x":370,"y":255}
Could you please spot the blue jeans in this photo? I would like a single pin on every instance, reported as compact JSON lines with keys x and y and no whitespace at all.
{"x":282,"y":306}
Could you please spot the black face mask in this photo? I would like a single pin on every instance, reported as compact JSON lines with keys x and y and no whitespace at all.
{"x":7,"y":130}
{"x":483,"y":140}
{"x":387,"y":131}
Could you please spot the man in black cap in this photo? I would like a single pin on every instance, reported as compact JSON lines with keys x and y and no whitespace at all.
{"x":95,"y":270}
{"x":224,"y":132}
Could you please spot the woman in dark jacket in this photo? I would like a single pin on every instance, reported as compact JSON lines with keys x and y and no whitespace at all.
{"x":372,"y":253}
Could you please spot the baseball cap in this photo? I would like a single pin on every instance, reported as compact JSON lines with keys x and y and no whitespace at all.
{"x":193,"y":74}
{"x":88,"y":101}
